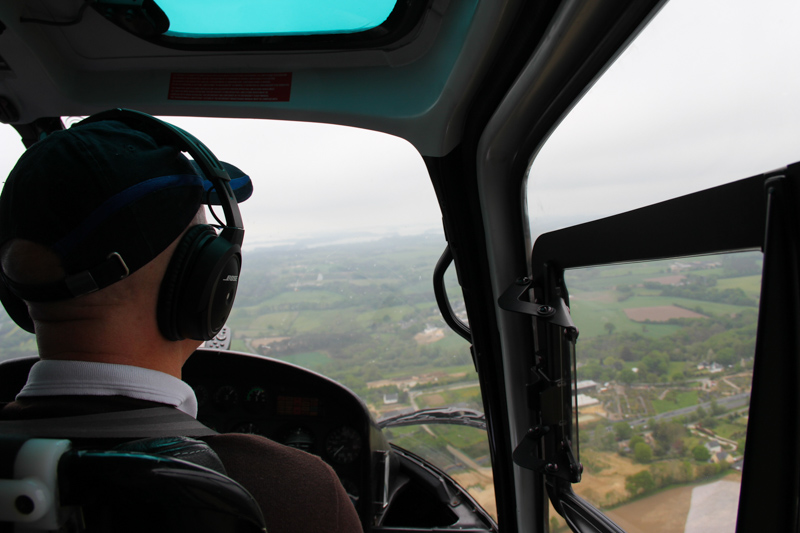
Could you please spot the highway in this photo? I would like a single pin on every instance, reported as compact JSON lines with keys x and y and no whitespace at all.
{"x":730,"y":402}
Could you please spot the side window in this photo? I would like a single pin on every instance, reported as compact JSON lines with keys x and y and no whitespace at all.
{"x":665,"y":343}
{"x":683,"y":362}
{"x":664,"y":371}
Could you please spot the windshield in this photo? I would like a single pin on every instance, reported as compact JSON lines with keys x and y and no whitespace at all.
{"x":342,"y":234}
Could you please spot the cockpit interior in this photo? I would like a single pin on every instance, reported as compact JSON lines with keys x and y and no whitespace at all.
{"x":605,"y":287}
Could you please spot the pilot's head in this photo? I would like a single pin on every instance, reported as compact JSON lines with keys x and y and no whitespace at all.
{"x":92,"y":215}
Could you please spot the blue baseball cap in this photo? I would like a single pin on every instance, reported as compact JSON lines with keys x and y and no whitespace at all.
{"x":104,"y":188}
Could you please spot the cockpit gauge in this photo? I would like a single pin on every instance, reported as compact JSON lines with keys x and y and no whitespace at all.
{"x":299,"y":438}
{"x":256,"y":399}
{"x":226,"y":397}
{"x":343,"y":445}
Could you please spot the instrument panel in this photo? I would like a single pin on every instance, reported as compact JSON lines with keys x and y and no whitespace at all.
{"x":244,"y":393}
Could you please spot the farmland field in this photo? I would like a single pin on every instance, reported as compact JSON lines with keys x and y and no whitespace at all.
{"x":683,"y":399}
{"x":662,"y":347}
{"x":608,"y":297}
{"x":749,"y":284}
{"x":662,"y":313}
{"x":377,"y":322}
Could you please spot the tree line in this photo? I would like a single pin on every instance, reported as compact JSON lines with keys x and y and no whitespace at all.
{"x":722,"y":339}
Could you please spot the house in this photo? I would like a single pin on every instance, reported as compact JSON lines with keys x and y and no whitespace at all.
{"x":389,"y":399}
{"x":586,"y":385}
{"x":586,"y":401}
{"x":680,"y":267}
{"x":726,"y":457}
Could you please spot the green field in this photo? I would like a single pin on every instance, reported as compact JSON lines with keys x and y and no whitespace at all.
{"x":466,"y":395}
{"x":608,"y":277}
{"x":682,"y":399}
{"x":433,"y":447}
{"x":732,"y":430}
{"x":469,"y":370}
{"x":592,"y":310}
{"x":358,"y":320}
{"x":751,"y":285}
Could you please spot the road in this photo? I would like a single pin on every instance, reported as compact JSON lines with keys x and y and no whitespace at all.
{"x":412,"y":397}
{"x":731,"y":402}
{"x":482,"y":471}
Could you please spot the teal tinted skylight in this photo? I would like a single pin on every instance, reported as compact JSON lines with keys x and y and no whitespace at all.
{"x":207,"y":18}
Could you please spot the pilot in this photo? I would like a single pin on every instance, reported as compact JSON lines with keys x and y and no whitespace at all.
{"x":72,"y":197}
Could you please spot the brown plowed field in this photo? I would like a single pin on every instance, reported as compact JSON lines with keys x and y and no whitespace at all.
{"x":603,"y":480}
{"x":429,"y":337}
{"x":660,"y":314}
{"x":664,"y":512}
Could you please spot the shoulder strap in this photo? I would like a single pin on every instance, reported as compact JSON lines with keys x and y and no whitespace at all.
{"x":135,"y":424}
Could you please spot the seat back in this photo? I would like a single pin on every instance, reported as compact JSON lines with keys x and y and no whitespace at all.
{"x":45,"y":485}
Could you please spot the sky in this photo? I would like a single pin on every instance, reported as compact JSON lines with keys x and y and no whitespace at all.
{"x":311,"y":179}
{"x":707,"y":94}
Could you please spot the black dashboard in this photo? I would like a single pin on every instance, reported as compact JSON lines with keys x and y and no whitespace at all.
{"x":392,"y":490}
{"x":244,"y":393}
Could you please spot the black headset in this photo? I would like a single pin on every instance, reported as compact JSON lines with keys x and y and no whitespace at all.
{"x":200,"y":283}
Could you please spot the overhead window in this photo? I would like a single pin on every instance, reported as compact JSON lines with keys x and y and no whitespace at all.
{"x":274,"y":25}
{"x":204,"y":18}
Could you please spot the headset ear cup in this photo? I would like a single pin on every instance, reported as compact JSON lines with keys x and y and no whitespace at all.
{"x":210,"y":290}
{"x":173,"y":285}
{"x":16,"y":308}
{"x":199,"y":286}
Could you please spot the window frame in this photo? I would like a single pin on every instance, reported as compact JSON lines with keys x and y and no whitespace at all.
{"x":754,"y":213}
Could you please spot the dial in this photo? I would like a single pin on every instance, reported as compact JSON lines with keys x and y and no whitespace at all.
{"x":226,"y":397}
{"x":343,"y":445}
{"x":299,"y":438}
{"x":256,"y":399}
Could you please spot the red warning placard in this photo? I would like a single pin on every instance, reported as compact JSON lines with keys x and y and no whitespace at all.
{"x":231,"y":87}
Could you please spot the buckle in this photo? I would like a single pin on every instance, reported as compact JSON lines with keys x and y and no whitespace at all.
{"x":126,"y":271}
